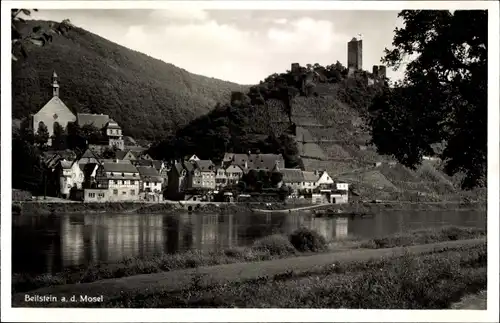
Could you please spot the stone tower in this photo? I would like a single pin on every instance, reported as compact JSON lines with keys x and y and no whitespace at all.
{"x":355,"y":54}
{"x":55,"y":85}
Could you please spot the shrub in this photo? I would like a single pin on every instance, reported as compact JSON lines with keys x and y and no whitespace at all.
{"x":275,"y":244}
{"x":304,"y":239}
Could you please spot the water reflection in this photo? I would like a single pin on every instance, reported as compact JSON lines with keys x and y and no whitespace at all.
{"x":49,"y":244}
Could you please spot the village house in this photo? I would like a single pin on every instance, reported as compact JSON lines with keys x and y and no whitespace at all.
{"x":115,"y":182}
{"x":53,"y":112}
{"x":150,"y":184}
{"x":204,"y":174}
{"x":234,"y":174}
{"x":292,"y":178}
{"x":220,"y":178}
{"x":70,"y":177}
{"x":268,"y":162}
{"x":108,"y":126}
{"x":310,"y":181}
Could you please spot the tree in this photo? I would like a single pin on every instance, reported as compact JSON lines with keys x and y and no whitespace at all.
{"x":42,"y":134}
{"x":443,"y":97}
{"x":38,"y":36}
{"x":58,"y":137}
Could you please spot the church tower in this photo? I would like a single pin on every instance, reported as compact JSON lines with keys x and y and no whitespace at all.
{"x":55,"y":85}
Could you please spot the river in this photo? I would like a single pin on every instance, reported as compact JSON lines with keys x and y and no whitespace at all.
{"x":44,"y":244}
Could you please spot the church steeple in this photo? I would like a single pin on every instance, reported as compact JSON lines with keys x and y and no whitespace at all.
{"x":55,"y":85}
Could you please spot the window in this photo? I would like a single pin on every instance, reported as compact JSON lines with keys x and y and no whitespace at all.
{"x":133,"y":182}
{"x":116,"y":182}
{"x":147,"y":183}
{"x":115,"y":192}
{"x":91,"y":194}
{"x":132,"y":192}
{"x":124,"y":192}
{"x":100,"y":194}
{"x":112,"y":174}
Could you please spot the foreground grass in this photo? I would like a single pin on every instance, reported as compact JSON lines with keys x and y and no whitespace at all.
{"x":431,"y":281}
{"x":268,"y":248}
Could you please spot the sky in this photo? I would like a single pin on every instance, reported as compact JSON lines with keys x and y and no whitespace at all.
{"x":242,"y":46}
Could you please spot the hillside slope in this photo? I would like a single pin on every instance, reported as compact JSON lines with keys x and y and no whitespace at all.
{"x":146,"y":96}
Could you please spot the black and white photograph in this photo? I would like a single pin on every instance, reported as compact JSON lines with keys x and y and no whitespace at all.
{"x":281,"y":155}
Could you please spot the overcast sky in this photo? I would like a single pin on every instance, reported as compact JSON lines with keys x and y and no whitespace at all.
{"x":242,"y":46}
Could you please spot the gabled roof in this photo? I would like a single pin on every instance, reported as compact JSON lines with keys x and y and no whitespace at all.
{"x":310,"y":176}
{"x":266,"y":161}
{"x":157,"y":164}
{"x":236,"y":167}
{"x":54,"y":104}
{"x":89,"y":153}
{"x":120,"y":154}
{"x":142,"y":162}
{"x":149,"y":173}
{"x":291,"y":175}
{"x":205,"y":165}
{"x":97,"y":120}
{"x":119,"y":167}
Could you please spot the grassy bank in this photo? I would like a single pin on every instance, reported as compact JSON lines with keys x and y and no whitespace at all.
{"x":429,"y":281}
{"x":301,"y":242}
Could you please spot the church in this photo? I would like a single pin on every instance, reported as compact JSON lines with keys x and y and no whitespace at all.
{"x":55,"y":111}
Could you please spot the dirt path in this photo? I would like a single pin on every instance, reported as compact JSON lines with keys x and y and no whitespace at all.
{"x":472,"y":302}
{"x":176,"y":280}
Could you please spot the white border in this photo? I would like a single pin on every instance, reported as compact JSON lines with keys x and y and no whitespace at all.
{"x":253,"y":315}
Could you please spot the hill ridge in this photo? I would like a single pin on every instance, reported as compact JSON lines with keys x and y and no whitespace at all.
{"x":150,"y":98}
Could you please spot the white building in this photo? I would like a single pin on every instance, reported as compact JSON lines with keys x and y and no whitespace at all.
{"x":70,"y":176}
{"x":116,"y":182}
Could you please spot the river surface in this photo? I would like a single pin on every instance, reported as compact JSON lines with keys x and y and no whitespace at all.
{"x":44,"y":244}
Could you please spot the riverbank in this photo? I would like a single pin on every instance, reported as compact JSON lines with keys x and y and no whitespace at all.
{"x":55,"y":208}
{"x":423,"y":276}
{"x":300,"y":243}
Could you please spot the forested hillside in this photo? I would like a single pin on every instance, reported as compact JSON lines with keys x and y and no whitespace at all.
{"x":148,"y":97}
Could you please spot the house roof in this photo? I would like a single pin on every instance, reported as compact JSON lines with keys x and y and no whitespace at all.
{"x":266,"y":161}
{"x":89,"y":153}
{"x":97,"y":120}
{"x":120,"y":154}
{"x":120,"y":167}
{"x":149,"y":173}
{"x":234,"y":168}
{"x":310,"y":176}
{"x":142,"y":162}
{"x":291,"y":175}
{"x":115,"y":161}
{"x":205,"y":165}
{"x":157,"y":164}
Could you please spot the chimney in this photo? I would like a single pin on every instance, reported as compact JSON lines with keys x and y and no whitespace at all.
{"x":246,"y":164}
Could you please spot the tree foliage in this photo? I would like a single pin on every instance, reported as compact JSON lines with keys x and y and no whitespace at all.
{"x":38,"y":35}
{"x":42,"y":135}
{"x":443,"y":97}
